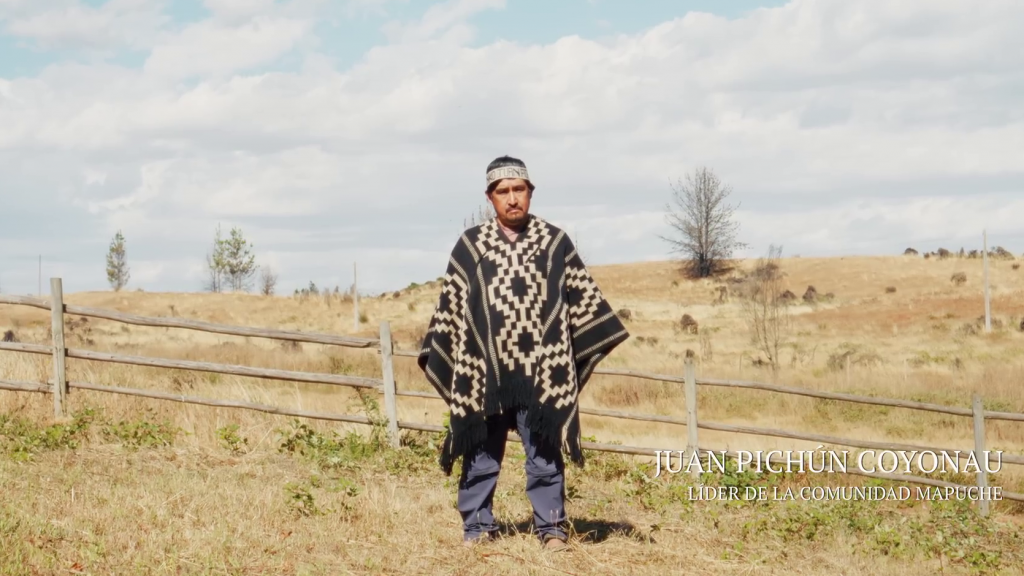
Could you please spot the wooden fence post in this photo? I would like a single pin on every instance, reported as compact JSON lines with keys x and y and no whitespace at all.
{"x":355,"y":300}
{"x":979,"y":453}
{"x":388,"y":375}
{"x":690,"y":389}
{"x":60,"y":381}
{"x":988,"y":304}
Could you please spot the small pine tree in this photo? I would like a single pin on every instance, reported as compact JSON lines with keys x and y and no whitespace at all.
{"x":117,"y":263}
{"x":239,"y":261}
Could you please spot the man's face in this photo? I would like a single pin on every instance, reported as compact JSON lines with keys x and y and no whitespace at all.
{"x":511,"y":201}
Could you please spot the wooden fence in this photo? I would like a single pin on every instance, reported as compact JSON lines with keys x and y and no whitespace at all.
{"x":386,"y":385}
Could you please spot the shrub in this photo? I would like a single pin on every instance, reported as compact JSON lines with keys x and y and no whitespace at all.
{"x":689,"y":324}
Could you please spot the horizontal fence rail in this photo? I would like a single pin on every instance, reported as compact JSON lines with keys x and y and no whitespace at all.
{"x":156,"y":322}
{"x":925,"y":406}
{"x":229,"y":369}
{"x":27,"y":348}
{"x":22,"y":386}
{"x":810,"y":393}
{"x":199,"y":400}
{"x":388,"y":387}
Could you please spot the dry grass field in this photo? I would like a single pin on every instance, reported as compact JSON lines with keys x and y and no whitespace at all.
{"x":136,"y":486}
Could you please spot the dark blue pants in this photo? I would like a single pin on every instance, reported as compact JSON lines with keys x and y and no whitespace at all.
{"x":545,"y":481}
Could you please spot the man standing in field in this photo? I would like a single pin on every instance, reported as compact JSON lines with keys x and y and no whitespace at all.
{"x":516,"y":334}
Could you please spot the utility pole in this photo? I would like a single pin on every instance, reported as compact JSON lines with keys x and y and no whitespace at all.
{"x":988,"y":305}
{"x":355,"y":300}
{"x":39,"y":291}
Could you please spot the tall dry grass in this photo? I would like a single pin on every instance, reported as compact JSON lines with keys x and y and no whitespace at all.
{"x":191,"y":506}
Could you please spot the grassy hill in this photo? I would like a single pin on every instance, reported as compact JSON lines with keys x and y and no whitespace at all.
{"x":142,"y":486}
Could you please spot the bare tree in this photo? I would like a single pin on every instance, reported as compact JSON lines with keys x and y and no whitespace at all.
{"x":213,"y":281}
{"x":483,"y":214}
{"x":215,"y":264}
{"x":765,"y":309}
{"x":705,"y":233}
{"x":117,"y":263}
{"x":579,"y":251}
{"x":268,"y":281}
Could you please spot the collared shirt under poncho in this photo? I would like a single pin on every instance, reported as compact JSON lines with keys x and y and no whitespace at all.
{"x":519,"y":324}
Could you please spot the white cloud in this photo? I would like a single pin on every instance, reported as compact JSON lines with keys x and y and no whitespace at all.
{"x":238,"y":184}
{"x":70,"y":24}
{"x":213,"y":49}
{"x":446,"y":17}
{"x":94,"y":177}
{"x":854,"y":126}
{"x":238,"y":8}
{"x":868,"y":226}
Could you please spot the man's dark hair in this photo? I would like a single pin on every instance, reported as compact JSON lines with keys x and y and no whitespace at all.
{"x":501,"y":162}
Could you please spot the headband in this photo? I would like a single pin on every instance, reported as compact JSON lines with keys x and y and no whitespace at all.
{"x":507,"y":172}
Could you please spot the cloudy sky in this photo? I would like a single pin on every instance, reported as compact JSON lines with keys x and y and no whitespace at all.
{"x":336,"y":131}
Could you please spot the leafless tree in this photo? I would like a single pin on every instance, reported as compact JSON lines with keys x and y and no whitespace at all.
{"x":483,"y":213}
{"x":704,"y":231}
{"x":215,"y":264}
{"x":576,"y":244}
{"x":764,"y":308}
{"x":268,"y":281}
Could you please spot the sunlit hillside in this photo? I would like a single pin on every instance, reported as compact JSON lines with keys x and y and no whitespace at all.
{"x":889,"y":326}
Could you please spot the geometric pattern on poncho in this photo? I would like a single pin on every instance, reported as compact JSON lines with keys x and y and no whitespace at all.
{"x":515,"y":313}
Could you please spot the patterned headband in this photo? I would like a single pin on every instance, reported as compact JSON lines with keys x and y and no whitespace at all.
{"x":507,"y":172}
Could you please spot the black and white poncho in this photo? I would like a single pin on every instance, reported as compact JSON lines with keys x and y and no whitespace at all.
{"x":519,"y":324}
